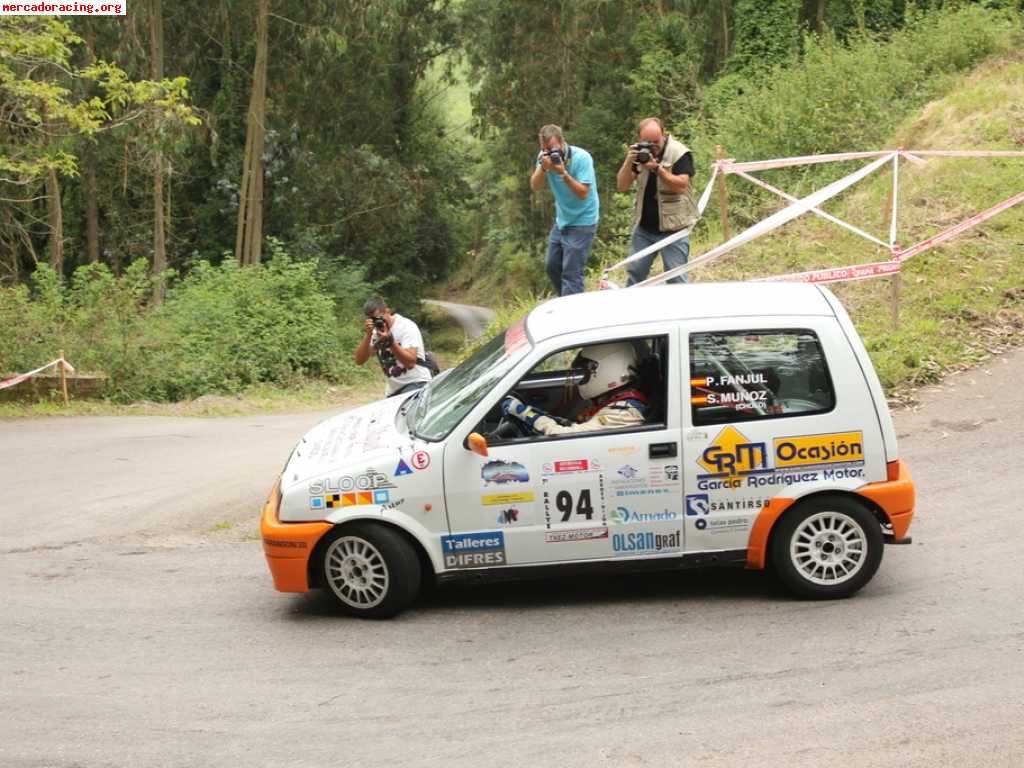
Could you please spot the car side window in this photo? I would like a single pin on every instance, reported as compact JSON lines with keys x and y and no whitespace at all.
{"x":757,"y":374}
{"x":552,"y":387}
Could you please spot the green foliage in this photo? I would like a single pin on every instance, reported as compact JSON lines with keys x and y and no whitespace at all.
{"x":221,"y":328}
{"x":842,"y":96}
{"x":37,"y":82}
{"x":225,"y":327}
{"x":767,"y":34}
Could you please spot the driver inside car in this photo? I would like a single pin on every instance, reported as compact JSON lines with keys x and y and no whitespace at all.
{"x":610,"y":384}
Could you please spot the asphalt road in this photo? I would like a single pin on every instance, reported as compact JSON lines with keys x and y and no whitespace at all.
{"x":140,"y":627}
{"x":473,"y":319}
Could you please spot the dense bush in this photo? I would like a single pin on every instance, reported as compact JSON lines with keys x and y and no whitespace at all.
{"x":220,"y":329}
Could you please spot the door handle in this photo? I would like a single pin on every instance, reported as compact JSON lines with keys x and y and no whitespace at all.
{"x":663,"y":450}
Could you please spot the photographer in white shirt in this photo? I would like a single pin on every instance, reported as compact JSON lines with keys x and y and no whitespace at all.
{"x":398,"y":344}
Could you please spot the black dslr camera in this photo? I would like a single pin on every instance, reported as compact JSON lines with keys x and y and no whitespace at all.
{"x":555,"y":156}
{"x":644,"y":151}
{"x":381,"y":326}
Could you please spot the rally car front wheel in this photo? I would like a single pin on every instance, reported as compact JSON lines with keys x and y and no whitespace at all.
{"x":827,"y":547}
{"x":371,"y":570}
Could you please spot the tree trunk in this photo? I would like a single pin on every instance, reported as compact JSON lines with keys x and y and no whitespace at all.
{"x":156,"y":65}
{"x":92,"y":216}
{"x":56,"y":217}
{"x":10,"y":242}
{"x":819,"y":25}
{"x":249,"y":233}
{"x":724,"y":20}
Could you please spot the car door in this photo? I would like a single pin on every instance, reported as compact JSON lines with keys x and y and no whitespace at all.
{"x":772,"y":405}
{"x":585,"y":496}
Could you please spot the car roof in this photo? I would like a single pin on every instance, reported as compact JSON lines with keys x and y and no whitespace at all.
{"x":600,"y":309}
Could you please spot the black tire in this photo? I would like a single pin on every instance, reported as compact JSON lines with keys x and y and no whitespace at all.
{"x":370,"y":570}
{"x":827,"y":547}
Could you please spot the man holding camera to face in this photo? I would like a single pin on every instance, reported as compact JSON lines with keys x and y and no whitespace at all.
{"x":663,"y":170}
{"x":398,"y":344}
{"x":570,"y":174}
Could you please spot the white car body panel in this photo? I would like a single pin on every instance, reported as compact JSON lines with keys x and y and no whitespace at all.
{"x":468,"y":511}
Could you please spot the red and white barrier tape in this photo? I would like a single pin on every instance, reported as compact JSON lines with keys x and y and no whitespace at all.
{"x":774,"y":221}
{"x":22,"y":376}
{"x":961,"y":153}
{"x":811,"y":203}
{"x":837,"y":274}
{"x":963,"y":226}
{"x":730,"y":166}
{"x":914,"y":155}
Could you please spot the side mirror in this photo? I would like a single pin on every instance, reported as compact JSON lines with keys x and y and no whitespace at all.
{"x":477,"y":443}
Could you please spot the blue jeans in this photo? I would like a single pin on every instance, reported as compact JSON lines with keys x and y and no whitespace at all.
{"x":568,"y":251}
{"x":672,"y":256}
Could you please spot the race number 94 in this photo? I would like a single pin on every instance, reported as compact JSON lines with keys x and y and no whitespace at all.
{"x":566,"y":504}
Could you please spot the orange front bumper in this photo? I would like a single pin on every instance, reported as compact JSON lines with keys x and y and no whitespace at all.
{"x":288,"y":546}
{"x":895,"y":497}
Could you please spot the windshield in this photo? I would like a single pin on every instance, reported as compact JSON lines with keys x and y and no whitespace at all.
{"x":445,"y":401}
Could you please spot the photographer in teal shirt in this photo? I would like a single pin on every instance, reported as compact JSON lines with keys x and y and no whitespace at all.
{"x":570,"y":174}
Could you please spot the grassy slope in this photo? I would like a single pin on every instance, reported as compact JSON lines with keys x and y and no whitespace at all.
{"x":959,"y":302}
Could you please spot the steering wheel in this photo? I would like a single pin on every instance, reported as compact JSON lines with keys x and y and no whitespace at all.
{"x":509,"y":427}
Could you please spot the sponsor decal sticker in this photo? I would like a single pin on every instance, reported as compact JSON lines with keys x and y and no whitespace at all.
{"x":697,"y":504}
{"x":626,"y":516}
{"x":359,"y":499}
{"x":474,"y":550}
{"x":732,"y":454}
{"x":285,"y":544}
{"x":369,"y":480}
{"x":641,"y":492}
{"x":575,"y":534}
{"x":421,"y":460}
{"x":721,"y":524}
{"x":733,"y":461}
{"x":646,"y":542}
{"x":628,"y":472}
{"x":508,"y":516}
{"x":700,"y":504}
{"x":500,"y":471}
{"x":402,"y":468}
{"x":819,"y":450}
{"x":623,"y":449}
{"x":504,"y":499}
{"x":571,"y":466}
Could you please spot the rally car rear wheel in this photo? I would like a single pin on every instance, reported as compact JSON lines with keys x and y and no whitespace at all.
{"x":827,"y":547}
{"x":371,"y":570}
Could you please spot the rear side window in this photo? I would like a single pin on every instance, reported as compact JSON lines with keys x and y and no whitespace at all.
{"x":762,"y":374}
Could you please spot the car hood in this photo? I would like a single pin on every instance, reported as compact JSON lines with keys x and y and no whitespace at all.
{"x":371,"y":432}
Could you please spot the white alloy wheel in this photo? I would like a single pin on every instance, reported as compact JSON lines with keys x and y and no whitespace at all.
{"x":356,"y":572}
{"x":828,"y":548}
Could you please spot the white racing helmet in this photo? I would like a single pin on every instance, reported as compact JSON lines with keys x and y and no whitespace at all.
{"x":606,"y":367}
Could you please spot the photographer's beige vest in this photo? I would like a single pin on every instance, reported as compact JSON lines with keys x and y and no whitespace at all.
{"x":675,"y":211}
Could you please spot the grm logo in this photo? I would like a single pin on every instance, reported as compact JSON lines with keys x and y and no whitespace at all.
{"x":732,"y":453}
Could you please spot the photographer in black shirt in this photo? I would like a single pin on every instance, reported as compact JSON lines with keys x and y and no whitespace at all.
{"x":662,"y":168}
